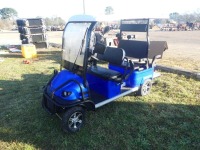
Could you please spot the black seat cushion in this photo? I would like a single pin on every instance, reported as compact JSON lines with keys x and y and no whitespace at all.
{"x":105,"y":73}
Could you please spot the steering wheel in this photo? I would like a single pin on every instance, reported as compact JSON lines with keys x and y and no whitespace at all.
{"x":94,"y":58}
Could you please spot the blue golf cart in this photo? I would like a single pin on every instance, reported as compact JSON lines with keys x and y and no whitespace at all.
{"x":84,"y":84}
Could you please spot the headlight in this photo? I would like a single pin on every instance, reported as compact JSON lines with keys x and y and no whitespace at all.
{"x":66,"y":93}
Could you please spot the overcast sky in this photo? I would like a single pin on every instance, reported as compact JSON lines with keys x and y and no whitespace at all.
{"x":122,"y":8}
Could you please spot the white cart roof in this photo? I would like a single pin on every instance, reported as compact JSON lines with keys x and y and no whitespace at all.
{"x":79,"y":18}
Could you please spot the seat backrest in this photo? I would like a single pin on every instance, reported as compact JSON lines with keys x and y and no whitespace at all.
{"x":114,"y":55}
{"x":134,"y":27}
{"x":156,"y":48}
{"x":99,"y":48}
{"x":135,"y":49}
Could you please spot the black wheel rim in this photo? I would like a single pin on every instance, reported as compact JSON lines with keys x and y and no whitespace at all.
{"x":75,"y":121}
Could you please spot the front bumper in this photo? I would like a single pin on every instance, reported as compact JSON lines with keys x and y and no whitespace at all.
{"x":56,"y":104}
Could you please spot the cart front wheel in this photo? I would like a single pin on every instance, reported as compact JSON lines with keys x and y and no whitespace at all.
{"x":145,"y":88}
{"x":73,"y":119}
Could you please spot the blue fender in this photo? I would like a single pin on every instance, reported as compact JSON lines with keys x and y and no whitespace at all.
{"x":68,"y":86}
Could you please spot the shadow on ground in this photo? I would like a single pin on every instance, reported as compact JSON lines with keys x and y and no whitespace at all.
{"x":119,"y":125}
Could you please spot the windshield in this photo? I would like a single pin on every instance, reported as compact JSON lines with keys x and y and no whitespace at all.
{"x":74,"y":43}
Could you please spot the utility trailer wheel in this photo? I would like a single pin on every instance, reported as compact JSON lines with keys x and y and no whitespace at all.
{"x":73,"y":119}
{"x":145,"y":88}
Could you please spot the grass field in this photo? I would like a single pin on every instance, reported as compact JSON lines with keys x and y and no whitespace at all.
{"x":168,"y":118}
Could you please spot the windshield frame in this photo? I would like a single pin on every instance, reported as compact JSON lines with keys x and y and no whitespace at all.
{"x":82,"y":69}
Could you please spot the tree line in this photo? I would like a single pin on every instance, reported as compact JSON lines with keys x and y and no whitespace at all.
{"x":9,"y":15}
{"x":187,"y":17}
{"x":8,"y":18}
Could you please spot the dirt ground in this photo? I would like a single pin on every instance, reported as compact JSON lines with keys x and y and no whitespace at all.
{"x":14,"y":38}
{"x":183,"y":46}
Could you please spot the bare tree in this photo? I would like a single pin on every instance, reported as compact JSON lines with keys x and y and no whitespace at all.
{"x":187,"y":17}
{"x":54,"y":21}
{"x":109,"y":10}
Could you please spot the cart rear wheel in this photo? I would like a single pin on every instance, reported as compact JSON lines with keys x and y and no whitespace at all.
{"x":145,"y":88}
{"x":73,"y":119}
